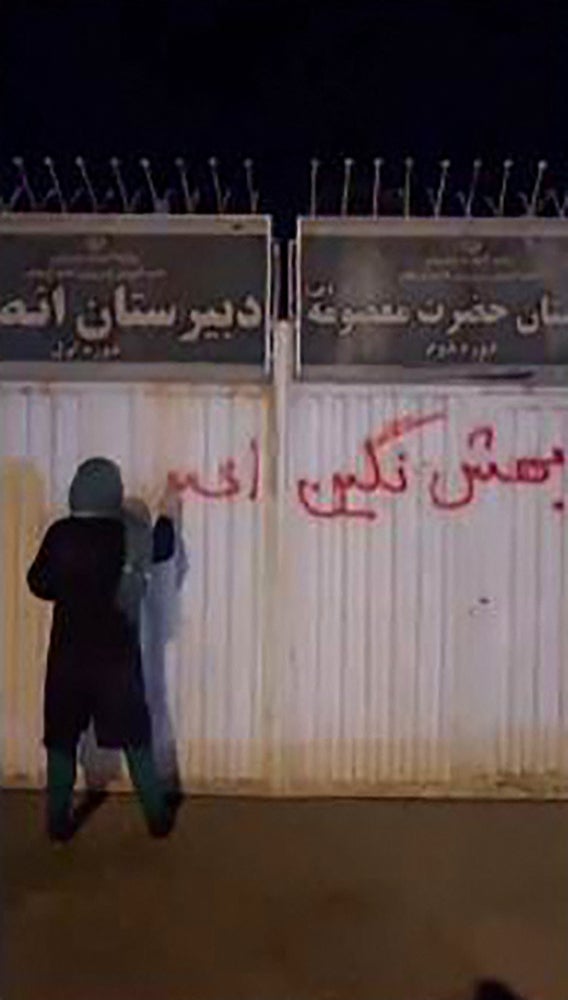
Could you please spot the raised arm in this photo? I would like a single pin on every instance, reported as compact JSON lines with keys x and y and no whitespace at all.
{"x":164,"y":538}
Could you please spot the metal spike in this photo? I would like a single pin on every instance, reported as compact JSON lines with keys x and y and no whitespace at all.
{"x":55,"y":180}
{"x":221,"y":199}
{"x":408,"y":165}
{"x":314,"y":167}
{"x":15,"y":197}
{"x":145,"y":164}
{"x":137,"y":199}
{"x":50,"y":194}
{"x":19,"y":188}
{"x":214,"y":167}
{"x":552,"y":195}
{"x":507,"y":166}
{"x":347,"y":168}
{"x":76,"y":195}
{"x":476,"y":170}
{"x":377,"y":164}
{"x":461,"y":198}
{"x":533,"y":205}
{"x":188,"y":201}
{"x":87,"y":182}
{"x":18,"y":162}
{"x":444,"y":169}
{"x":168,"y":198}
{"x":431,"y":198}
{"x":115,"y":166}
{"x":492,"y":205}
{"x":252,"y":192}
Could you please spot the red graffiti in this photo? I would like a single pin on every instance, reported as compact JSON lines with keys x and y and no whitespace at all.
{"x":403,"y":425}
{"x":475,"y":473}
{"x":228,"y":486}
{"x":373,"y":479}
{"x":254,"y":490}
{"x":309,"y":494}
{"x":525,"y":471}
{"x":348,"y":491}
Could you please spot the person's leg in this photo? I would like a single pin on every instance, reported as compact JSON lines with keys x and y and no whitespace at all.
{"x":149,"y":788}
{"x":61,"y":772}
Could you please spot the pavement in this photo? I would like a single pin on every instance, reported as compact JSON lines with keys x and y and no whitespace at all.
{"x":287,"y":900}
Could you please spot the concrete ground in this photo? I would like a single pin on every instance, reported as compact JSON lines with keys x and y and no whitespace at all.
{"x":257,"y":900}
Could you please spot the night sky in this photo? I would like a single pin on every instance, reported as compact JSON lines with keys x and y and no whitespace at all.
{"x":282,"y":82}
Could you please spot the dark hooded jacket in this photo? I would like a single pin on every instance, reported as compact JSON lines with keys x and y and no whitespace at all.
{"x":94,"y":669}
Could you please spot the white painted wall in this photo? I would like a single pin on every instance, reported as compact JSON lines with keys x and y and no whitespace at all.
{"x":421,"y":652}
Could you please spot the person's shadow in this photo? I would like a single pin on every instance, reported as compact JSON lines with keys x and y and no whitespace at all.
{"x":492,"y":989}
{"x":159,"y":621}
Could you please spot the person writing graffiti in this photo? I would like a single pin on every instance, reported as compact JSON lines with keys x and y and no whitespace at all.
{"x":85,"y":566}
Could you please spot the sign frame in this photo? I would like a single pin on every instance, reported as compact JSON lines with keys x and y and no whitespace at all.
{"x":522,"y":227}
{"x":147,"y":225}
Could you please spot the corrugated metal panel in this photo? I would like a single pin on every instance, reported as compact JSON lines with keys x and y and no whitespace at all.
{"x":421,"y":652}
{"x":211,"y":662}
{"x":428,"y":646}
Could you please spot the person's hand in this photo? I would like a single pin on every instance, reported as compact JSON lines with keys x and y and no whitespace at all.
{"x":170,"y":502}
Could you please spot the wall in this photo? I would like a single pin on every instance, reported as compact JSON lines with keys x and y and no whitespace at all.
{"x":209,"y":651}
{"x":399,"y":632}
{"x":427,"y":626}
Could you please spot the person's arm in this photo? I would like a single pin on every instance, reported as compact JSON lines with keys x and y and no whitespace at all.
{"x":164,"y":535}
{"x":40,"y":574}
{"x":164,"y":539}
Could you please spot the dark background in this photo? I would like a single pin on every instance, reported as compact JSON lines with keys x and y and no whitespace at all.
{"x":282,"y":82}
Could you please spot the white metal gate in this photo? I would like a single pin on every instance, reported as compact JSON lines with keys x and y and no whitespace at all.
{"x":412,"y":643}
